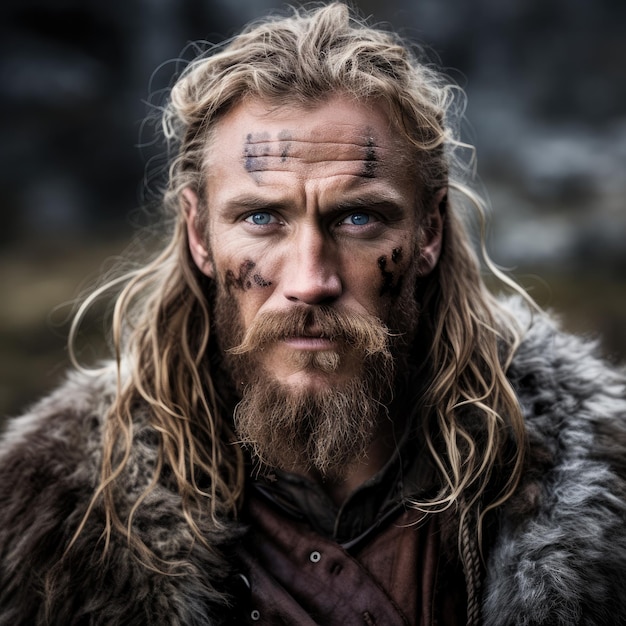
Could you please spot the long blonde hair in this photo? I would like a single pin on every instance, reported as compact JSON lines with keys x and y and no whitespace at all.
{"x":162,"y":318}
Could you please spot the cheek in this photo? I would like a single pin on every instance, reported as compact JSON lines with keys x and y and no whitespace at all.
{"x":243,"y":276}
{"x":375,"y":279}
{"x":247,"y":284}
{"x":394,"y":272}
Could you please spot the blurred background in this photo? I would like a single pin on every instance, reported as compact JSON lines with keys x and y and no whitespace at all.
{"x":546,"y":83}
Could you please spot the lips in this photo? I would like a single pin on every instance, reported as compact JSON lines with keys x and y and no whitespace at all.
{"x":310,"y":341}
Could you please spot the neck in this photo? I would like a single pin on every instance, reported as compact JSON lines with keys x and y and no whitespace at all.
{"x":389,"y":429}
{"x":383,"y":445}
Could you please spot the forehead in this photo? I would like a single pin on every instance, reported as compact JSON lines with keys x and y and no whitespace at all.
{"x":339,"y":136}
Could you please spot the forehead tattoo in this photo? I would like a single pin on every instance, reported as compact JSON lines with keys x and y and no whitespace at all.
{"x":284,"y":136}
{"x":371,"y":159}
{"x":255,"y":151}
{"x":265,"y":152}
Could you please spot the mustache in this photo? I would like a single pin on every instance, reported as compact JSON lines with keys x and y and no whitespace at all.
{"x":354,"y":330}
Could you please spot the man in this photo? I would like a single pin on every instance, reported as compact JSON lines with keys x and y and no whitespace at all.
{"x":317,"y":414}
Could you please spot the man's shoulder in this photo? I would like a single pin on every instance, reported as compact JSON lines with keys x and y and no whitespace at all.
{"x":50,"y":457}
{"x":573,"y":399}
{"x":50,"y":468}
{"x":550,"y":358}
{"x":67,"y":418}
{"x":59,"y":440}
{"x":562,"y":544}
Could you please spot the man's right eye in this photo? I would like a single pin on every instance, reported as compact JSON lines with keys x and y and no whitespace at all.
{"x":260,"y":218}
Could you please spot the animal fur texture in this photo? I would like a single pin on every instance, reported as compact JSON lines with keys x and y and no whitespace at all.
{"x":558,"y":556}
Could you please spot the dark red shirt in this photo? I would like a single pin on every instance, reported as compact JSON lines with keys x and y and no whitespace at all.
{"x":397,"y":578}
{"x":373,"y":560}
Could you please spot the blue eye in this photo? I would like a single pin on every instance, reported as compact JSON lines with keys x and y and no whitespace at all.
{"x":358,"y":219}
{"x":260,"y":219}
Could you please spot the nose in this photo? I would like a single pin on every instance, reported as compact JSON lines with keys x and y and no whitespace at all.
{"x":311,"y":270}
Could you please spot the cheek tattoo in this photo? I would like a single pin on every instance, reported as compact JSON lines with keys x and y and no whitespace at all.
{"x":243,"y":281}
{"x":388,"y":287}
{"x":260,"y":281}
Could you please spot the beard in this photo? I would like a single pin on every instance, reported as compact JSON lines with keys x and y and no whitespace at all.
{"x":302,"y":430}
{"x":299,"y":428}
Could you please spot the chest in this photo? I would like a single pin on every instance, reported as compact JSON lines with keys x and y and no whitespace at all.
{"x":398,"y":576}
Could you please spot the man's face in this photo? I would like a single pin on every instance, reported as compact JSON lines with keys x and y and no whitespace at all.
{"x":309,"y":210}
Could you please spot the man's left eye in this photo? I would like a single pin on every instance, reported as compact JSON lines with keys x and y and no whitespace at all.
{"x":357,"y":219}
{"x":261,"y":218}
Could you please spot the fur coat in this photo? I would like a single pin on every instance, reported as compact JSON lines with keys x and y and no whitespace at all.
{"x":558,"y":556}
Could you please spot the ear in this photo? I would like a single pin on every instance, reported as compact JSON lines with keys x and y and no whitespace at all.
{"x":197,"y":246}
{"x":432,"y":233}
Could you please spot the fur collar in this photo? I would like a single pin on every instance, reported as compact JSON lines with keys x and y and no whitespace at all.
{"x":49,"y":463}
{"x":560,"y":555}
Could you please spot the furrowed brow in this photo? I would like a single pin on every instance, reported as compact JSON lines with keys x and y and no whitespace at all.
{"x":252,"y":203}
{"x":376,"y":201}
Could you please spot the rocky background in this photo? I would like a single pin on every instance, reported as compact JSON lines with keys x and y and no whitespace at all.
{"x":546,"y":82}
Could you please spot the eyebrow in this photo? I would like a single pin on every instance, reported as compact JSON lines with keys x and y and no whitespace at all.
{"x":253,"y":202}
{"x":374,"y":200}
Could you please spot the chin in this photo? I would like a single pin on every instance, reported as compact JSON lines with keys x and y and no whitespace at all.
{"x":314,"y":369}
{"x":313,"y":380}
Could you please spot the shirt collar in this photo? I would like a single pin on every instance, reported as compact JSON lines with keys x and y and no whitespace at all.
{"x":407,"y":474}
